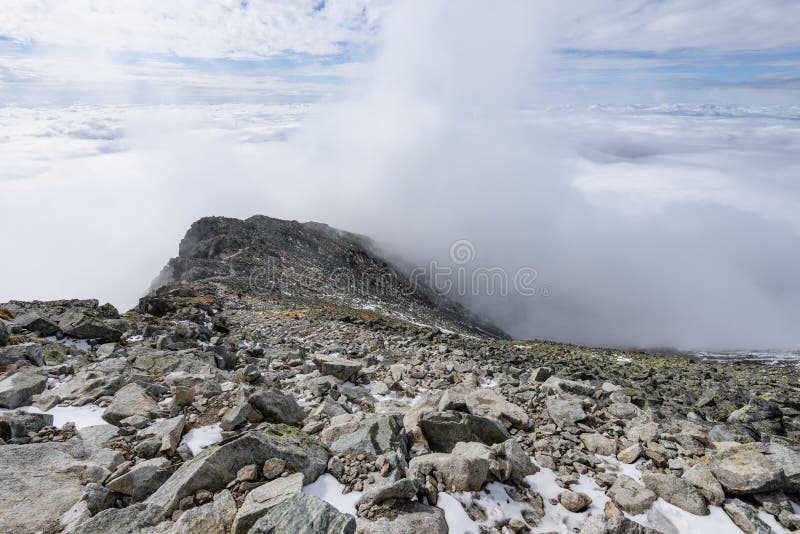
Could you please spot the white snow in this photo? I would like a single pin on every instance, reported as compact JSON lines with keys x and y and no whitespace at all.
{"x":82,"y":416}
{"x":327,"y":488}
{"x":457,"y":519}
{"x":201,"y":437}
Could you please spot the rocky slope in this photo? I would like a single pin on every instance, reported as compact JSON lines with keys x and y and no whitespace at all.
{"x":229,"y":401}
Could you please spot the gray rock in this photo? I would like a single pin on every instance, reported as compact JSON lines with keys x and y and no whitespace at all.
{"x":167,"y":431}
{"x":487,"y":402}
{"x":443,"y":430}
{"x":630,"y":454}
{"x":83,"y":325}
{"x":676,"y":491}
{"x":214,"y":517}
{"x":24,"y":352}
{"x":466,"y":468}
{"x":33,"y":321}
{"x":4,"y":337}
{"x":304,"y":514}
{"x":410,"y":518}
{"x":745,"y":469}
{"x":337,"y":367}
{"x":259,"y":501}
{"x":404,"y":490}
{"x":745,"y":517}
{"x":215,"y":466}
{"x":599,"y":524}
{"x":18,"y":388}
{"x":454,"y":398}
{"x":376,"y":435}
{"x":88,"y":387}
{"x":277,"y":407}
{"x":631,"y":496}
{"x":787,"y":459}
{"x":575,"y":501}
{"x":97,"y":498}
{"x":559,"y":386}
{"x":518,"y":462}
{"x":599,"y":444}
{"x":540,"y":374}
{"x":130,"y":400}
{"x":701,"y":477}
{"x":142,"y":479}
{"x":18,"y":424}
{"x":235,"y":417}
{"x":565,"y":412}
{"x":134,"y":519}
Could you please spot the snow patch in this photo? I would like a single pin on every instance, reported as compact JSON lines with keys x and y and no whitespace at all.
{"x":199,"y":438}
{"x":330,"y":490}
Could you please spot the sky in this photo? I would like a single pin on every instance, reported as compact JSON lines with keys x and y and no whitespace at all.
{"x":640,"y":156}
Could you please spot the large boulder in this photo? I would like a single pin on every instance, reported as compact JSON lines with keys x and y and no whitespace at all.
{"x":490,"y":403}
{"x":560,"y":386}
{"x":443,"y":430}
{"x":676,"y":491}
{"x":600,"y":524}
{"x":744,"y":469}
{"x":565,"y":412}
{"x":34,"y":321}
{"x":128,"y":401}
{"x":376,"y":435}
{"x":88,"y":386}
{"x":24,"y":352}
{"x":406,"y":518}
{"x":631,"y":496}
{"x":168,"y":431}
{"x":85,"y":325}
{"x":789,"y":460}
{"x":701,"y":477}
{"x":746,"y":517}
{"x":337,"y":367}
{"x":142,"y":479}
{"x":304,"y":514}
{"x":599,"y":444}
{"x":213,"y":517}
{"x":213,"y":468}
{"x":18,"y":388}
{"x":259,"y":501}
{"x":17,"y":424}
{"x":277,"y":407}
{"x":134,"y":519}
{"x":40,"y":482}
{"x":466,"y":468}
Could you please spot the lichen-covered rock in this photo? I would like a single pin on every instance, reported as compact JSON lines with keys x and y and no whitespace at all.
{"x":701,"y":477}
{"x":443,"y":430}
{"x":277,"y":407}
{"x":304,"y":514}
{"x":565,"y":412}
{"x":259,"y":501}
{"x":376,"y":435}
{"x":744,"y":469}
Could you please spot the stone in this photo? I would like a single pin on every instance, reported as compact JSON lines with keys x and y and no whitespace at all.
{"x":645,"y":433}
{"x":376,"y":435}
{"x":407,"y":518}
{"x":701,"y":477}
{"x":454,"y":398}
{"x":213,"y":517}
{"x":130,"y":400}
{"x":575,"y":501}
{"x":304,"y":514}
{"x":559,"y":386}
{"x":487,"y":402}
{"x":134,"y":519}
{"x":260,"y":500}
{"x":22,"y":353}
{"x":277,"y":407}
{"x":565,"y":412}
{"x":340,"y":425}
{"x":466,"y":468}
{"x":631,"y":496}
{"x":83,"y":325}
{"x":600,"y":524}
{"x":599,"y":444}
{"x":443,"y":430}
{"x":217,"y":465}
{"x":88,"y":387}
{"x":787,"y":459}
{"x":744,"y":469}
{"x":337,"y":367}
{"x":248,"y":473}
{"x":273,"y":468}
{"x":745,"y":517}
{"x":19,"y":424}
{"x":142,"y":479}
{"x":404,"y":489}
{"x":167,"y":431}
{"x":789,"y":520}
{"x":518,"y":463}
{"x":629,"y":455}
{"x":676,"y":491}
{"x":33,"y":321}
{"x":235,"y":416}
{"x":97,"y":498}
{"x":540,"y":374}
{"x":18,"y":388}
{"x":30,"y":473}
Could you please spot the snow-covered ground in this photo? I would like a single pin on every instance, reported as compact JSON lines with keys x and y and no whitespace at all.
{"x":82,"y":416}
{"x":201,"y":437}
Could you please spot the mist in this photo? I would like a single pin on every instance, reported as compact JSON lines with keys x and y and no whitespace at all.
{"x":669,"y":233}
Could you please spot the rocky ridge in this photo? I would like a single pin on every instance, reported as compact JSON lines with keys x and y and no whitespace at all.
{"x":230,"y":405}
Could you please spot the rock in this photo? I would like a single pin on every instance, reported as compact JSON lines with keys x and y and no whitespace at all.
{"x":83,"y":325}
{"x":519,"y":464}
{"x":235,"y":416}
{"x":598,"y":524}
{"x":273,"y":468}
{"x":214,"y":517}
{"x":745,"y":517}
{"x":429,"y":402}
{"x":404,"y":489}
{"x":489,"y":403}
{"x":23,"y":352}
{"x":559,"y":386}
{"x":631,"y":496}
{"x":540,"y":374}
{"x":565,"y":412}
{"x":443,"y":430}
{"x":645,"y":433}
{"x":787,"y":459}
{"x":630,"y":454}
{"x":248,"y":473}
{"x":134,"y":519}
{"x":701,"y":477}
{"x":97,"y":498}
{"x":744,"y":469}
{"x":88,"y":387}
{"x":764,"y":416}
{"x":142,"y":479}
{"x":789,"y":520}
{"x":599,"y":444}
{"x":29,"y":474}
{"x":128,"y":401}
{"x":407,"y":518}
{"x":18,"y":388}
{"x":376,"y":435}
{"x":338,"y":367}
{"x":623,"y":410}
{"x":215,"y":466}
{"x":259,"y":501}
{"x":33,"y":321}
{"x":575,"y":501}
{"x":676,"y":491}
{"x":454,"y":398}
{"x":340,"y":425}
{"x":4,"y":336}
{"x":304,"y":514}
{"x":466,"y":468}
{"x":277,"y":407}
{"x":18,"y":424}
{"x":167,"y":431}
